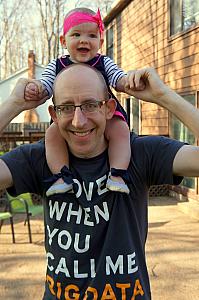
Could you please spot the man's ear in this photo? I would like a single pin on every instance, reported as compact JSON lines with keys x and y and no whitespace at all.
{"x":110,"y":108}
{"x":63,"y":41}
{"x":52,"y":113}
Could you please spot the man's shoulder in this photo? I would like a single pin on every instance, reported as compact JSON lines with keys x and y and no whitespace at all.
{"x":34,"y":151}
{"x":135,"y":138}
{"x":142,"y":139}
{"x":154,"y":141}
{"x":37,"y":148}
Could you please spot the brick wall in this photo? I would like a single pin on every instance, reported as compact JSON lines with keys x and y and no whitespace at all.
{"x":141,"y":31}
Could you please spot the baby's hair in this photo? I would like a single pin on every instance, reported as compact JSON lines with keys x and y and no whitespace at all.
{"x":80,"y":9}
{"x":80,"y":15}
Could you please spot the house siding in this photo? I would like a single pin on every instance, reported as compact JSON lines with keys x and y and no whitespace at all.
{"x":141,"y":39}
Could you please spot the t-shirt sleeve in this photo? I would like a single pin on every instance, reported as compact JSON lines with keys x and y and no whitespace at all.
{"x":26,"y":164}
{"x":113,"y":72}
{"x":156,"y":163}
{"x":48,"y":76}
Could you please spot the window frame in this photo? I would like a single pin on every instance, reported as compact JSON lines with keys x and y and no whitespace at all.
{"x":195,"y":94}
{"x":110,"y":42}
{"x":182,"y":25}
{"x":129,"y":110}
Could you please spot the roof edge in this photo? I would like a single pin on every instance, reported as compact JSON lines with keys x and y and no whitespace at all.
{"x":18,"y":72}
{"x":118,"y":6}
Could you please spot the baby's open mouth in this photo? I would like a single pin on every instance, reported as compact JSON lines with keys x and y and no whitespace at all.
{"x":82,"y":49}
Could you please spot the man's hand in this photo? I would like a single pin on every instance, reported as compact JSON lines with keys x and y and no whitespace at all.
{"x":31,"y":91}
{"x":16,"y":103}
{"x":138,"y":85}
{"x":34,"y":90}
{"x":18,"y":96}
{"x":145,"y":84}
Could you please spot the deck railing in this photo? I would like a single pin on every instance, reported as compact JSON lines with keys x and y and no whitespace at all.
{"x":19,"y":133}
{"x":26,"y":127}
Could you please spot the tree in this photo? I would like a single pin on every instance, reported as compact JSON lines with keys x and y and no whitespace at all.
{"x":51,"y":15}
{"x":104,"y":5}
{"x":18,"y":35}
{"x":10,"y":16}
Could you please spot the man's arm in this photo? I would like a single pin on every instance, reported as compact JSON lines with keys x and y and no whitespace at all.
{"x":16,"y":103}
{"x":5,"y":176}
{"x":157,"y":92}
{"x":186,"y":162}
{"x":11,"y":108}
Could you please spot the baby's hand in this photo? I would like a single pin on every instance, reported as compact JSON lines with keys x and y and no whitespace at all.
{"x":34,"y":90}
{"x":134,"y":82}
{"x":31,"y":91}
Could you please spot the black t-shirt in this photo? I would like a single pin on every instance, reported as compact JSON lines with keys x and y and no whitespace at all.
{"x":94,"y":238}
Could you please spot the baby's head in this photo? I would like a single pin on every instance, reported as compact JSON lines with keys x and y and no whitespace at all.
{"x":82,"y":34}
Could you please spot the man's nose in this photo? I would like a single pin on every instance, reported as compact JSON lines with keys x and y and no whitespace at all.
{"x":79,"y":118}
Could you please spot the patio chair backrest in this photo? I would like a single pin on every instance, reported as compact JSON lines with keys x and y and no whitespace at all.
{"x":17,"y":202}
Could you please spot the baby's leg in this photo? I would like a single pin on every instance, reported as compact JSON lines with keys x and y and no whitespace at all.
{"x":57,"y":158}
{"x":118,"y":135}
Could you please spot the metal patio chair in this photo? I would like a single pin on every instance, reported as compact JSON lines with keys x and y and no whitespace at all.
{"x":6,"y":214}
{"x":23,"y":204}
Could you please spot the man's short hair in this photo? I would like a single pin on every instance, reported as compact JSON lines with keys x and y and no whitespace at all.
{"x":99,"y":75}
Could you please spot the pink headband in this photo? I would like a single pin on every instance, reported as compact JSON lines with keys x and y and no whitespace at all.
{"x":77,"y":18}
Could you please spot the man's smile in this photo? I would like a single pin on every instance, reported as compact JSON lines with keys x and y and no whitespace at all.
{"x":82,"y":133}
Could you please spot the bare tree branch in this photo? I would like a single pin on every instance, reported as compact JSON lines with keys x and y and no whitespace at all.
{"x":10,"y":15}
{"x":18,"y":35}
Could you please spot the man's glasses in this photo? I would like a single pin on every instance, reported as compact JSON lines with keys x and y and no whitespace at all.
{"x":68,"y":110}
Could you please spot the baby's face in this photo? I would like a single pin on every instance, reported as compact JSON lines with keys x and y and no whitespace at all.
{"x":83,"y":42}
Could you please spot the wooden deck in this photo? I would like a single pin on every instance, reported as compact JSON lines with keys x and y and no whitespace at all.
{"x":20,"y":137}
{"x":19,"y":133}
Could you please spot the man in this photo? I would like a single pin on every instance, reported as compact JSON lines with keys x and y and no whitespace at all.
{"x":95,"y":238}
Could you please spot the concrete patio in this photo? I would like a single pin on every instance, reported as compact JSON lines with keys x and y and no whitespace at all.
{"x":172,"y":255}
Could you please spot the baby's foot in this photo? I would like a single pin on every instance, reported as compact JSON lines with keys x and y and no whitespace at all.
{"x":59,"y":187}
{"x":117,"y":184}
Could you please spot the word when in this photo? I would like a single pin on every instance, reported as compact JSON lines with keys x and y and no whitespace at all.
{"x":81,"y":215}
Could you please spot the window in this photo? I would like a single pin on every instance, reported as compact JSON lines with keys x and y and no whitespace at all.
{"x":183,"y":15}
{"x":109,"y":42}
{"x":133,"y":113}
{"x":180,"y":132}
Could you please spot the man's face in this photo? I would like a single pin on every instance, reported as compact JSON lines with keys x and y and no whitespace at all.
{"x":83,"y":133}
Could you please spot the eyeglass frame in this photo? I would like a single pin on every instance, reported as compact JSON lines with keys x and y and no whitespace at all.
{"x":57,"y":108}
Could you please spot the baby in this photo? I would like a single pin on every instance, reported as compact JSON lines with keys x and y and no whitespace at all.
{"x":83,"y":37}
